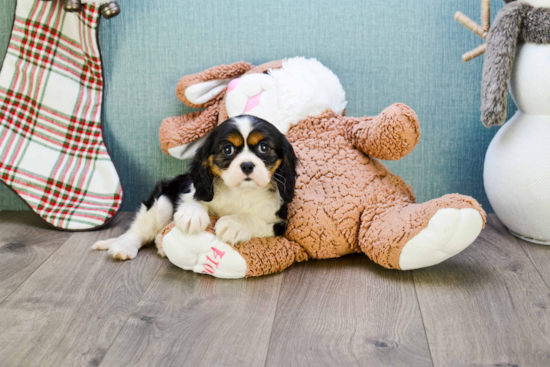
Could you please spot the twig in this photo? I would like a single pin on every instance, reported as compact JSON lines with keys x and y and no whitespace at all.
{"x":481,"y":30}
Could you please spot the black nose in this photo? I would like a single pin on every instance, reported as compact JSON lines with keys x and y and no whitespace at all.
{"x":247,"y":167}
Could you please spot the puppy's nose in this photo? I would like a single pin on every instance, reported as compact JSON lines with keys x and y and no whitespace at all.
{"x":247,"y":167}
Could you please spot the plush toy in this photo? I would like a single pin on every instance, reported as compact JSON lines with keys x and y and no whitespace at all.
{"x":346,"y":200}
{"x":517,"y":165}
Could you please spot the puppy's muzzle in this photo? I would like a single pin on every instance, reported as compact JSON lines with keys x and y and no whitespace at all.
{"x":247,"y":168}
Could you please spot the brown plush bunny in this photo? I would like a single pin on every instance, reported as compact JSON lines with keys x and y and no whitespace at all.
{"x":346,"y":200}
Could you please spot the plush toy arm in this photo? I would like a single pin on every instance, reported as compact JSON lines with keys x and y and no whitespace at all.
{"x":206,"y":254}
{"x":391,"y":135}
{"x":270,"y":255}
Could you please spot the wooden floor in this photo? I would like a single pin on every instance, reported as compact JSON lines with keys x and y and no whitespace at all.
{"x":64,"y":305}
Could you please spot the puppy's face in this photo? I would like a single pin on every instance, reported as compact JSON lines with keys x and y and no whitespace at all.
{"x":244,"y":151}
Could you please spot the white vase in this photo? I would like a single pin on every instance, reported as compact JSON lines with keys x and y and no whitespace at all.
{"x":517,"y":164}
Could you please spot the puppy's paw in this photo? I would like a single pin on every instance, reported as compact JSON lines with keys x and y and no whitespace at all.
{"x":103,"y":244}
{"x":229,"y":229}
{"x":122,"y":251}
{"x":192,"y":218}
{"x":125,"y":247}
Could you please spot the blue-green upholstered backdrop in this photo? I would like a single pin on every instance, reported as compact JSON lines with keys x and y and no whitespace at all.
{"x":384,"y":51}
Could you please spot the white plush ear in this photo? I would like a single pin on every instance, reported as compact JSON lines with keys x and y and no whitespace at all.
{"x":203,"y":92}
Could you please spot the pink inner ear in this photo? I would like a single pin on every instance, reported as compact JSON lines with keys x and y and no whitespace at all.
{"x":233,"y":84}
{"x":252,"y":102}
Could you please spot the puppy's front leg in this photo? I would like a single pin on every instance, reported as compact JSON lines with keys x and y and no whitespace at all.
{"x":242,"y":227}
{"x":191,"y":218}
{"x":147,"y":224}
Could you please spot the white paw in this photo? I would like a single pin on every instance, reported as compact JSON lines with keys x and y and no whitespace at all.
{"x":204,"y":253}
{"x":192,"y":218}
{"x":448,"y":232}
{"x":125,"y":247}
{"x":103,"y":244}
{"x":229,"y":229}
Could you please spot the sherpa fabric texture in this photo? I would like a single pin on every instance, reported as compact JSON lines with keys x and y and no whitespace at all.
{"x":347,"y":201}
{"x":516,"y":22}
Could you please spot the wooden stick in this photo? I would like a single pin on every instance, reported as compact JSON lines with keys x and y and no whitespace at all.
{"x":486,"y":15}
{"x":470,"y":24}
{"x":478,"y":51}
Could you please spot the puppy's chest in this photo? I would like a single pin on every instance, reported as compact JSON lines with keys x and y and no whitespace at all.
{"x":264,"y":203}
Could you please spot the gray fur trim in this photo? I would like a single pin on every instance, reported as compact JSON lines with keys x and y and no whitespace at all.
{"x":499,"y":58}
{"x":536,"y":26}
{"x":516,"y":22}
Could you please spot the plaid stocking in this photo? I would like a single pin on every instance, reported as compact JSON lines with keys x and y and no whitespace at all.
{"x":51,"y":88}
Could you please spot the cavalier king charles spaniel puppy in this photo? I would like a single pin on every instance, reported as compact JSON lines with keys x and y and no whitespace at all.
{"x":244,"y":174}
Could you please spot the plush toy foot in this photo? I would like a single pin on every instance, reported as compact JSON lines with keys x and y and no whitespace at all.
{"x":449,"y":232}
{"x":203,"y":253}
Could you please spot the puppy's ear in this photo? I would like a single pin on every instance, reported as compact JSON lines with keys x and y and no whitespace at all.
{"x":286,"y":173}
{"x":200,"y":173}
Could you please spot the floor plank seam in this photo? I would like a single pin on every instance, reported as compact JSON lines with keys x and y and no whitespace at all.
{"x":31,"y":274}
{"x":532,"y":263}
{"x":130,"y":314}
{"x":274,"y":317}
{"x":422,"y":319}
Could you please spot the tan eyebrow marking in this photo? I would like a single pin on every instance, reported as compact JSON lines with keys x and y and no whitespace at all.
{"x":235,"y":139}
{"x":255,"y":138}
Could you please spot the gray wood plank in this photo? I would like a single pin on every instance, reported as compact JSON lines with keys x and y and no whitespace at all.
{"x":25,"y":243}
{"x":186,"y":319}
{"x":69,"y":311}
{"x":539,"y":256}
{"x":347,"y":312}
{"x":487,"y":306}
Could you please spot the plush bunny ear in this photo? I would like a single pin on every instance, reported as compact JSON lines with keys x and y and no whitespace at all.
{"x":499,"y":59}
{"x":202,"y":89}
{"x":264,"y":68}
{"x":181,"y":136}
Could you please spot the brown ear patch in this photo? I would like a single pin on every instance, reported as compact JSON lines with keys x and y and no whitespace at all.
{"x":235,"y":139}
{"x":255,"y":138}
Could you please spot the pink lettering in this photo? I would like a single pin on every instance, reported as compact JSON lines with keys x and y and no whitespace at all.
{"x":217,"y":253}
{"x":213,"y":262}
{"x":209,"y":268}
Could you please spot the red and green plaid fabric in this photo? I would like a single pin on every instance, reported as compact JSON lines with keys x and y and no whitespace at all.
{"x":52,"y":152}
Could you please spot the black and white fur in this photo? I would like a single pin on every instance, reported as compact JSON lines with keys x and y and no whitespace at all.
{"x":244,"y":174}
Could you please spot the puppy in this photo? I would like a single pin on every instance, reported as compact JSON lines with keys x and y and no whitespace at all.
{"x":244,"y":174}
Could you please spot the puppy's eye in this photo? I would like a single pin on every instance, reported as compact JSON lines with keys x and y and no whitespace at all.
{"x":263,"y":148}
{"x":229,"y":150}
